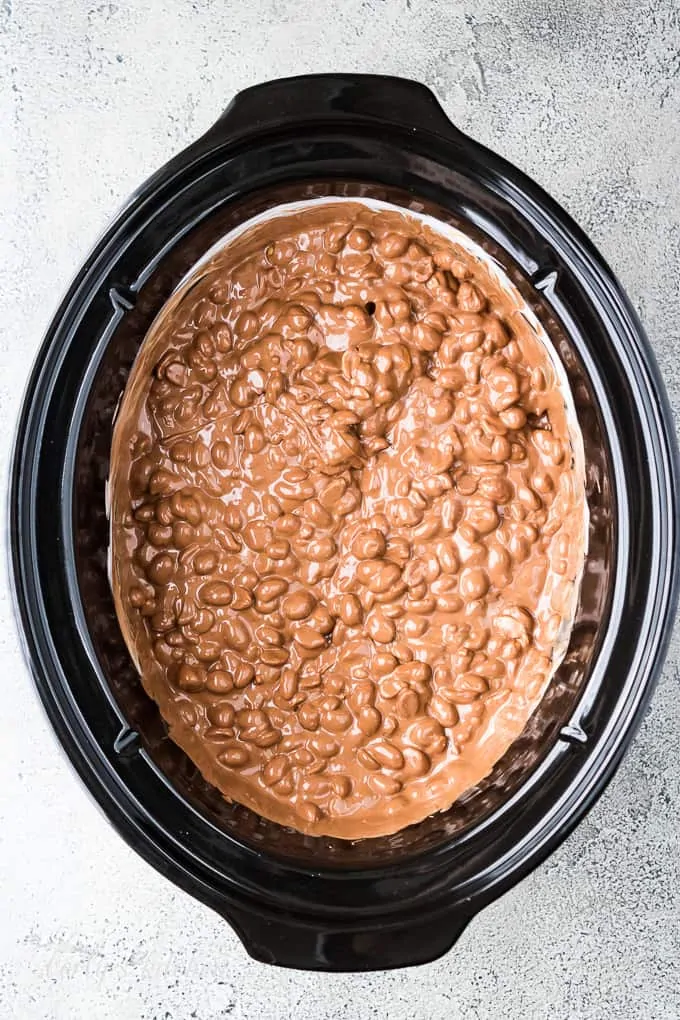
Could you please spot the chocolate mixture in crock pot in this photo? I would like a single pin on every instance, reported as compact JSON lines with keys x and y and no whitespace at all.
{"x":348,"y":518}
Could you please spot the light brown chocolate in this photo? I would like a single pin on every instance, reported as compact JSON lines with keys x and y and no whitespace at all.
{"x":347,"y":517}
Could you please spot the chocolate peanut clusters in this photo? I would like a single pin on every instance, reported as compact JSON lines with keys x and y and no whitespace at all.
{"x":348,"y":518}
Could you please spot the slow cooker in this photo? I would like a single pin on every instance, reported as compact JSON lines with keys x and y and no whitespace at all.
{"x":317,"y":902}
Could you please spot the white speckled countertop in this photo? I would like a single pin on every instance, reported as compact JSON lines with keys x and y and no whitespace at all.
{"x":583,"y":95}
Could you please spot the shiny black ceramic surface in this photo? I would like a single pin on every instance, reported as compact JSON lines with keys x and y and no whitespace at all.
{"x":294,"y":900}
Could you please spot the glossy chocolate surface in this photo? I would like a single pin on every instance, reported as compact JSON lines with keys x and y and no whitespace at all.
{"x":348,"y":518}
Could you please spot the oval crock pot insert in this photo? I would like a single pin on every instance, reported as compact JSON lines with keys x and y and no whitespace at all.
{"x":305,"y":901}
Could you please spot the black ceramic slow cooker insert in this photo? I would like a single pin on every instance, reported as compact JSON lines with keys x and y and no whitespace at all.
{"x":296,"y":900}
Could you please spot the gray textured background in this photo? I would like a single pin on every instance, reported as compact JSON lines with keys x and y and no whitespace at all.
{"x":585,"y":96}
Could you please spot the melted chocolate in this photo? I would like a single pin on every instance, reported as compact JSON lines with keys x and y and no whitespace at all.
{"x":348,"y":518}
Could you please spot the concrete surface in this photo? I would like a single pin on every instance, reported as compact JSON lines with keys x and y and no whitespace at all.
{"x":586,"y":97}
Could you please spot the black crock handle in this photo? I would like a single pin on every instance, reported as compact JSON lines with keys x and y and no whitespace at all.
{"x":332,"y":98}
{"x":285,"y":942}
